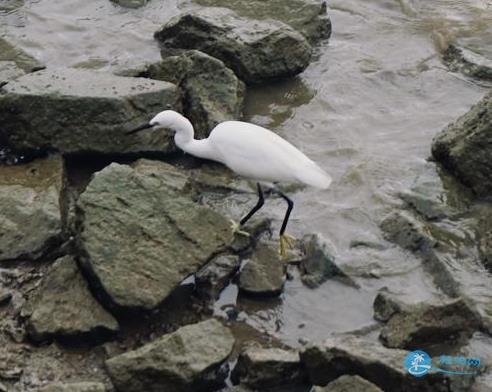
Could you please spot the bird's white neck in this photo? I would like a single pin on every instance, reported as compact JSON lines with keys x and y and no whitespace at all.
{"x":185,"y":140}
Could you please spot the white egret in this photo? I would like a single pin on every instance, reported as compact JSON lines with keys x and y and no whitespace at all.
{"x":250,"y":151}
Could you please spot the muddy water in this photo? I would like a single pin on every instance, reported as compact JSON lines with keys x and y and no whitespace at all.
{"x":366,"y":109}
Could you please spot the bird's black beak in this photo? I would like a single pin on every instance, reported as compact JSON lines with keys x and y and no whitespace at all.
{"x":140,"y":128}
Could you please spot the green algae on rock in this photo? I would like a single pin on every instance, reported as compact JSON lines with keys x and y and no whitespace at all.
{"x":186,"y":360}
{"x":257,"y":51}
{"x":141,"y":234}
{"x":81,"y":111}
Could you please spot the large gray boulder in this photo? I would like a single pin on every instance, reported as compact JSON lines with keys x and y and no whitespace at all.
{"x":381,"y":366}
{"x":30,"y":216}
{"x":10,"y":52}
{"x":212,"y":92}
{"x":470,"y":63}
{"x":78,"y":111}
{"x":261,"y":368}
{"x":348,"y":383}
{"x":141,"y":234}
{"x":464,"y":147}
{"x":186,"y":360}
{"x":64,"y":308}
{"x":422,"y":325}
{"x":256,"y":51}
{"x":306,"y":16}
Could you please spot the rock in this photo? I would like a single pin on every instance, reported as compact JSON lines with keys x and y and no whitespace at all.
{"x":140,"y":233}
{"x":74,"y":387}
{"x":80,"y":111}
{"x":131,"y":3}
{"x":484,"y":235}
{"x":306,"y":16}
{"x":212,"y":92}
{"x":401,"y":228}
{"x":9,"y":71}
{"x":10,"y":5}
{"x":5,"y":297}
{"x":212,"y":278}
{"x":348,"y":384}
{"x":65,"y":309}
{"x":386,"y":305}
{"x":421,"y":325}
{"x":9,"y":52}
{"x":381,"y":366}
{"x":262,"y":368}
{"x":263,"y":273}
{"x":30,"y":217}
{"x":188,"y":359}
{"x":468,"y":62}
{"x":318,"y":263}
{"x":463,"y":147}
{"x":257,"y":51}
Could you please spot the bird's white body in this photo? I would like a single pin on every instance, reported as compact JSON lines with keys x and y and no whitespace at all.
{"x":247,"y":149}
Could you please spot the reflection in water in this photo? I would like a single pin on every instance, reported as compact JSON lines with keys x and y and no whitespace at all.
{"x":366,"y":110}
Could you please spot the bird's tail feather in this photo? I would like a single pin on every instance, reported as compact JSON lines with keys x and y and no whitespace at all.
{"x":315,"y":176}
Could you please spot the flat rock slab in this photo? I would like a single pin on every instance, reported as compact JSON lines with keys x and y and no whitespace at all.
{"x":131,"y":3}
{"x":212,"y":92}
{"x":260,"y":368}
{"x":306,"y":16}
{"x":183,"y":361}
{"x":421,"y":325}
{"x":65,"y":309}
{"x":349,"y":384}
{"x":370,"y":360}
{"x":74,"y":387}
{"x":264,"y":273}
{"x":257,"y":51}
{"x":30,"y":217}
{"x":80,"y":111}
{"x":464,"y":147}
{"x":141,"y":234}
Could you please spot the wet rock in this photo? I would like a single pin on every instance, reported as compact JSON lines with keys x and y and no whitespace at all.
{"x":263,"y":368}
{"x":381,"y":366}
{"x":386,"y":305}
{"x":141,"y":234}
{"x":421,"y":325}
{"x":131,"y":3}
{"x":264,"y":272}
{"x":65,"y":309}
{"x":9,"y":52}
{"x":463,"y":147}
{"x":475,"y":65}
{"x":403,"y":229}
{"x":80,"y":111}
{"x":318,"y":262}
{"x":212,"y":92}
{"x":306,"y":16}
{"x":257,"y":51}
{"x":484,"y":235}
{"x":348,"y":384}
{"x":211,"y":279}
{"x":31,"y":221}
{"x":74,"y":387}
{"x":9,"y":71}
{"x":188,"y":359}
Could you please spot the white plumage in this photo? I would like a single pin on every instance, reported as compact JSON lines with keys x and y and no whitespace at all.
{"x":250,"y":151}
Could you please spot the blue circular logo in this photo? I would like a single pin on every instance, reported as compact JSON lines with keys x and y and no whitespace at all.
{"x":418,"y":363}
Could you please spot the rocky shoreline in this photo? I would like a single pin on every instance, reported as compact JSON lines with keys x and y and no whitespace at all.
{"x":109,"y":283}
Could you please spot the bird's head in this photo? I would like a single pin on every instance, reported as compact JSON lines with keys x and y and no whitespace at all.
{"x":166,"y":119}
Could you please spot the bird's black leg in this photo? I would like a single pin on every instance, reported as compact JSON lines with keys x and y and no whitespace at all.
{"x":290,"y":206}
{"x":259,"y":204}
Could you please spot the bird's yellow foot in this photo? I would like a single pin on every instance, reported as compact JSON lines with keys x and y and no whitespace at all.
{"x":286,"y":242}
{"x":236,"y":229}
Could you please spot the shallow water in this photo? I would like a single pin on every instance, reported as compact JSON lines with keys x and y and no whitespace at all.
{"x":366,"y":110}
